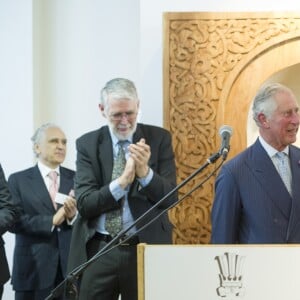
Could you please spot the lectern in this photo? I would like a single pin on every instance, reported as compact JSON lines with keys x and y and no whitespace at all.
{"x":215,"y":272}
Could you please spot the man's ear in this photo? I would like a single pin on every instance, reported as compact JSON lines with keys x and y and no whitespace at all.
{"x":263,"y":120}
{"x":101,"y":108}
{"x":36,"y":149}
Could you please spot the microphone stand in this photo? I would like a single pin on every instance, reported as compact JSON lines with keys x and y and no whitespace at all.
{"x":74,"y":275}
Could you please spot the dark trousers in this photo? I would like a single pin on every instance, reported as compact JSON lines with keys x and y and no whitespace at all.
{"x":1,"y":291}
{"x":111,"y":275}
{"x":40,"y":294}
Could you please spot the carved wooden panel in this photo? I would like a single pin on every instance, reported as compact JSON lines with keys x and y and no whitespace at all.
{"x":213,"y":65}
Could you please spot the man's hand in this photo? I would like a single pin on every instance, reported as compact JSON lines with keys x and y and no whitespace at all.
{"x":59,"y":216}
{"x":70,"y":208}
{"x":140,"y":153}
{"x":128,"y":174}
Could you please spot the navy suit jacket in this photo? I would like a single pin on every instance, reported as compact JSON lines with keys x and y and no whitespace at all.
{"x":8,"y":215}
{"x":252,"y":204}
{"x":38,"y":249}
{"x":93,"y":176}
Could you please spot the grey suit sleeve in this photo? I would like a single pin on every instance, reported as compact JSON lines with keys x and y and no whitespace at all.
{"x":92,"y":183}
{"x":92,"y":194}
{"x":162,"y":162}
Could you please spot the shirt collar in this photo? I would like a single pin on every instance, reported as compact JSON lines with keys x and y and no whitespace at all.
{"x":45,"y":169}
{"x":270,"y":150}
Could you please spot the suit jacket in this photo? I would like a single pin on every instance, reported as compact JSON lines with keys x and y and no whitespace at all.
{"x":38,"y":249}
{"x":252,"y":204}
{"x":8,"y":215}
{"x":93,"y":175}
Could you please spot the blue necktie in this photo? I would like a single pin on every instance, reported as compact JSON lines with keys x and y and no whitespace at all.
{"x":284,"y":169}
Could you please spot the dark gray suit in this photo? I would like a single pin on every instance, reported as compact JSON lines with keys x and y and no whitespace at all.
{"x":252,"y":204}
{"x":93,"y":175}
{"x":39,"y":252}
{"x":8,"y":215}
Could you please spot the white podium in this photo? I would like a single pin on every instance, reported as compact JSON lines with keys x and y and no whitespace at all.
{"x":215,"y":272}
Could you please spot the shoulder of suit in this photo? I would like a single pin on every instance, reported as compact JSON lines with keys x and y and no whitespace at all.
{"x":294,"y":152}
{"x":24,"y":172}
{"x":93,"y":135}
{"x":240,"y":158}
{"x":67,"y":170}
{"x":152,"y":128}
{"x":294,"y":148}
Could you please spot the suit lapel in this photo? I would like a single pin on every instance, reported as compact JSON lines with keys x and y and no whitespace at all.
{"x":40,"y":189}
{"x":105,"y":154}
{"x":66,"y":182}
{"x":138,"y":134}
{"x":135,"y":187}
{"x":269,"y":178}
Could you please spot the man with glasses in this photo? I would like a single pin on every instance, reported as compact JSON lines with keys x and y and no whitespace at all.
{"x":123,"y":169}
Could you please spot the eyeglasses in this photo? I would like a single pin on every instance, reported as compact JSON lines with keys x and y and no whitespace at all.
{"x":119,"y":116}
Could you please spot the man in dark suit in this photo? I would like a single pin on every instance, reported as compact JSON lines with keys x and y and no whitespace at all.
{"x":44,"y":231}
{"x":8,"y":216}
{"x":149,"y":175}
{"x":253,"y":202}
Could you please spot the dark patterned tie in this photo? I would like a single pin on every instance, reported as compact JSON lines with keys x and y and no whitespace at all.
{"x":113,"y":221}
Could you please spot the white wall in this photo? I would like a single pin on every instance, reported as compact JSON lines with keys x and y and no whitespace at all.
{"x":16,"y":120}
{"x":15,"y":84}
{"x":56,"y":55}
{"x":80,"y":45}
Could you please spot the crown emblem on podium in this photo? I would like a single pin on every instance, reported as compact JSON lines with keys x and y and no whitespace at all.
{"x":231,"y":279}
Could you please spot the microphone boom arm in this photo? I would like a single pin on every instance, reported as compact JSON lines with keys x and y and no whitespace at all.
{"x":74,"y":275}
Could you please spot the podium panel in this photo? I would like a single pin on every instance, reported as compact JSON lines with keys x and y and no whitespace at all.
{"x":215,"y":272}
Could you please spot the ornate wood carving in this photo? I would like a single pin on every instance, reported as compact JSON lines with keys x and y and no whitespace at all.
{"x":213,"y":65}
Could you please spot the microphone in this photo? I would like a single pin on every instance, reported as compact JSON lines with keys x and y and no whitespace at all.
{"x":225,"y":132}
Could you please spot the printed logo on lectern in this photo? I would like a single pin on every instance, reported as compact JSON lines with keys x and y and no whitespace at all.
{"x":231,"y":278}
